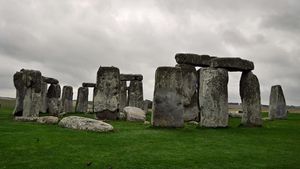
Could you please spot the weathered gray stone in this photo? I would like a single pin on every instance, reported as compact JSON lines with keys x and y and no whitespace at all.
{"x":232,"y":64}
{"x":53,"y":96}
{"x":131,"y":77}
{"x":88,"y":84}
{"x":67,"y":99}
{"x":213,"y":97}
{"x":26,"y":119}
{"x":134,"y":114}
{"x":193,"y":59}
{"x":167,"y":101}
{"x":189,"y":92}
{"x":43,"y":100}
{"x":28,"y":87}
{"x":82,"y":99}
{"x":147,"y":105}
{"x":50,"y":80}
{"x":250,"y":96}
{"x":83,"y":123}
{"x":107,"y":93}
{"x":135,"y":94}
{"x":48,"y":120}
{"x":277,"y":107}
{"x":123,"y":95}
{"x":235,"y":114}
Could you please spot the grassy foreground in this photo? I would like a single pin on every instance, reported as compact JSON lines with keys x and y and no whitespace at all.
{"x":135,"y":145}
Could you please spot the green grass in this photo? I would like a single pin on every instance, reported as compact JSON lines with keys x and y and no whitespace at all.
{"x":135,"y":145}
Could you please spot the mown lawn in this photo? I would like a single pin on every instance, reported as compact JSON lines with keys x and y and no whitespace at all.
{"x":135,"y":145}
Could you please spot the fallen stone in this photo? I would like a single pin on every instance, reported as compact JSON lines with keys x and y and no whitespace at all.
{"x":277,"y":107}
{"x":193,"y":122}
{"x":82,"y":99}
{"x":232,"y":64}
{"x":147,"y":122}
{"x":88,"y":84}
{"x":134,"y":114}
{"x":50,"y":80}
{"x":83,"y":123}
{"x":193,"y":59}
{"x":131,"y":77}
{"x":213,"y":97}
{"x":251,"y":102}
{"x":167,"y":102}
{"x":26,"y":119}
{"x":107,"y":93}
{"x":48,"y":120}
{"x":122,"y":116}
{"x":235,"y":114}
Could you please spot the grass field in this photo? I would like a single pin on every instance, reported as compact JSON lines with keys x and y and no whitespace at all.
{"x":135,"y":145}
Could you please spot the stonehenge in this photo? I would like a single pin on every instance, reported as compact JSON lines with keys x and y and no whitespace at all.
{"x":213,"y":97}
{"x":28,"y":93}
{"x":167,"y":100}
{"x":189,"y":92}
{"x":123,"y":95}
{"x":135,"y":94}
{"x":82,"y":99}
{"x":43,"y":99}
{"x":67,"y":99}
{"x":250,"y":96}
{"x":107,"y":93}
{"x":53,"y":95}
{"x":277,"y":107}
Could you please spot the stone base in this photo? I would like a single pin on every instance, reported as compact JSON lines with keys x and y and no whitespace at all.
{"x":107,"y":115}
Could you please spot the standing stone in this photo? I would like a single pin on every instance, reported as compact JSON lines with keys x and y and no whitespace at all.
{"x":167,"y":103}
{"x":67,"y":99}
{"x":28,"y":86}
{"x":82,"y":99}
{"x":123,"y":95}
{"x":147,"y":105}
{"x":251,"y":102}
{"x":213,"y":96}
{"x":135,"y":94}
{"x":277,"y":107}
{"x":43,"y":101}
{"x":53,"y":96}
{"x":107,"y":93}
{"x":189,"y":92}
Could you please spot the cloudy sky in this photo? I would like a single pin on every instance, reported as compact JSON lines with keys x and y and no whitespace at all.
{"x":70,"y":39}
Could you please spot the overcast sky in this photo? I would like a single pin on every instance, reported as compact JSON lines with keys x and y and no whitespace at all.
{"x":70,"y":39}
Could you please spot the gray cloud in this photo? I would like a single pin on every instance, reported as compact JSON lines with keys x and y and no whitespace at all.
{"x":69,"y":40}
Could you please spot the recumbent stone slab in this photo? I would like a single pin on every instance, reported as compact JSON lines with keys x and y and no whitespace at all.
{"x":251,"y":101}
{"x":167,"y":101}
{"x":213,"y":97}
{"x":277,"y":107}
{"x":131,"y":77}
{"x":88,"y":84}
{"x":50,"y":80}
{"x":107,"y":93}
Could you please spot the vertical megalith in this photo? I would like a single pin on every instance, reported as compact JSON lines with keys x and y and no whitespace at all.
{"x":123,"y":95}
{"x":189,"y":92}
{"x":53,"y":95}
{"x":107,"y":93}
{"x":167,"y":101}
{"x":251,"y":102}
{"x":67,"y":99}
{"x":277,"y":107}
{"x":28,"y":87}
{"x":135,"y":94}
{"x":213,"y":97}
{"x":82,"y":99}
{"x":43,"y":99}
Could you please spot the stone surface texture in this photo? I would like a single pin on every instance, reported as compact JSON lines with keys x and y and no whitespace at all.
{"x":193,"y":59}
{"x":53,"y":96}
{"x":83,"y":123}
{"x":82,"y":99}
{"x":277,"y":107}
{"x":67,"y":99}
{"x":135,"y":94}
{"x":167,"y":101}
{"x":213,"y":97}
{"x":232,"y":64}
{"x":134,"y":114}
{"x":48,"y":120}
